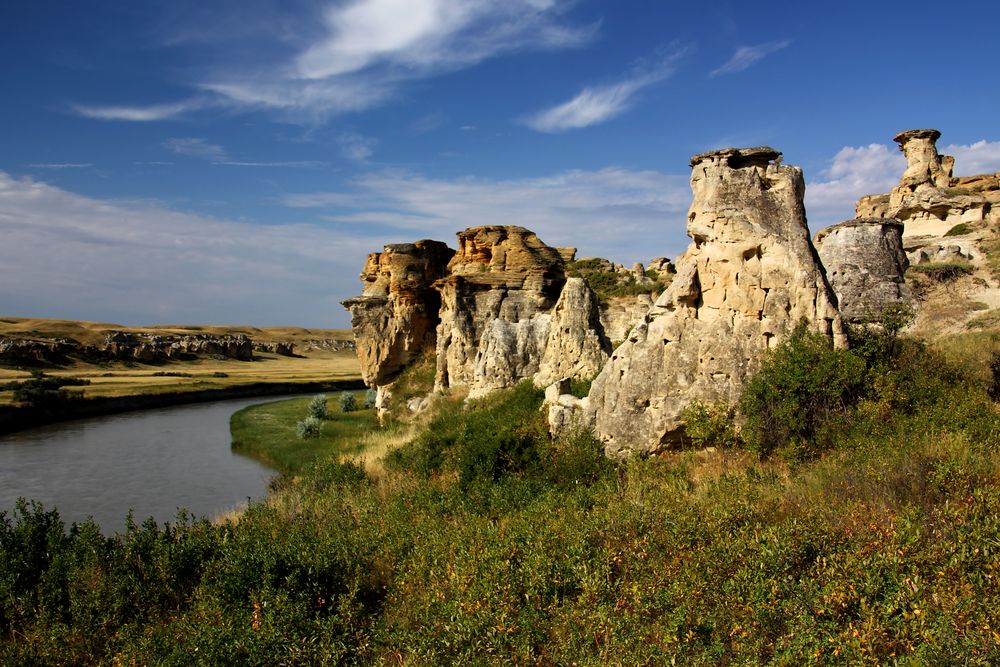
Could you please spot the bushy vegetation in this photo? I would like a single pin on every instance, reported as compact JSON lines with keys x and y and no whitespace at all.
{"x":959,"y":229}
{"x":317,"y":407}
{"x":348,"y":402}
{"x":370,"y":398}
{"x":484,"y":542}
{"x":310,"y":427}
{"x":943,"y":271}
{"x":43,"y":391}
{"x":608,"y":284}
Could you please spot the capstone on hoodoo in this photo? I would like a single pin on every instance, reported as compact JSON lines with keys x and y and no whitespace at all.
{"x":749,"y":276}
{"x":929,"y":200}
{"x":865,"y":264}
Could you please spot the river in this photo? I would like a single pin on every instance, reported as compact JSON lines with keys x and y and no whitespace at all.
{"x":152,"y":461}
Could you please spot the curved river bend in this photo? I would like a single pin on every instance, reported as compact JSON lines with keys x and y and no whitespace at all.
{"x":154,"y":462}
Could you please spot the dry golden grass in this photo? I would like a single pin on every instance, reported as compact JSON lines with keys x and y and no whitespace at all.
{"x":123,"y":378}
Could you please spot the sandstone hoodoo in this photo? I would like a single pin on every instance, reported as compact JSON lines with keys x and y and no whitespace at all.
{"x":498,"y":310}
{"x":749,"y":276}
{"x":865,"y":265}
{"x":508,"y":313}
{"x":929,"y":200}
{"x":395,"y":317}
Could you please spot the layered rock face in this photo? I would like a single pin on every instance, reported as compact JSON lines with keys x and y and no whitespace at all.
{"x":749,"y":276}
{"x":865,"y":263}
{"x":504,"y":304}
{"x":395,"y":317}
{"x":928,"y":200}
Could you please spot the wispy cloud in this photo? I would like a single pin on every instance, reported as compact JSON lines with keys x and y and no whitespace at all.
{"x":746,"y":56}
{"x":355,"y":147}
{"x":196,"y":147}
{"x":597,"y":104}
{"x":357,"y":54}
{"x":978,"y":158}
{"x":67,"y":255}
{"x":60,"y":165}
{"x":853,"y":172}
{"x":149,"y":113}
{"x":618,"y":213}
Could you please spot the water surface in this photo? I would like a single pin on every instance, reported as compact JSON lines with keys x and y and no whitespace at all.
{"x":153,"y":462}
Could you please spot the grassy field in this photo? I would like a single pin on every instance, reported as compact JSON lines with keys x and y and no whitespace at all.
{"x":122,"y":378}
{"x":267,"y":433}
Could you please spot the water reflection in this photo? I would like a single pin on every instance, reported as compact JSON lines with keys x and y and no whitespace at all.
{"x":153,"y":462}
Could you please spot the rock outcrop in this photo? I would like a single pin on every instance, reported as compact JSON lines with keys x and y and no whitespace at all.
{"x":929,"y":200}
{"x":865,"y":265}
{"x":504,"y":304}
{"x":496,"y":311}
{"x":281,"y":348}
{"x":36,"y":350}
{"x":749,"y":276}
{"x":396,"y":316}
{"x":125,"y":345}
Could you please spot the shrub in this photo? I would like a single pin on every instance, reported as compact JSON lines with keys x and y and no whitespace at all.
{"x":710,"y":425}
{"x":959,"y":229}
{"x":317,"y":407}
{"x":45,"y":390}
{"x":310,"y":427}
{"x":943,"y":272}
{"x":370,"y":397}
{"x":348,"y":402}
{"x":799,"y":385}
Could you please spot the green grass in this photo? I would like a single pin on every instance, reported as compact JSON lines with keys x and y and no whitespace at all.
{"x":267,"y":433}
{"x":959,"y":229}
{"x":943,"y":271}
{"x":485,"y":543}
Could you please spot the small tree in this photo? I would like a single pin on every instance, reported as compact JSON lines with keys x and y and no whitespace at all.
{"x":348,"y":403}
{"x":317,"y":407}
{"x":310,"y":427}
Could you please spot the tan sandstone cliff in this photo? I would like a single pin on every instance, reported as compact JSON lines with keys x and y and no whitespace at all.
{"x":749,"y":276}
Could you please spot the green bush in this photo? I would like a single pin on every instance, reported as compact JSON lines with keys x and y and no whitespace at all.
{"x":710,"y":425}
{"x":317,"y":407}
{"x":45,"y":390}
{"x":370,"y":397}
{"x":310,"y":427}
{"x":959,"y":229}
{"x":348,"y":402}
{"x":800,"y":384}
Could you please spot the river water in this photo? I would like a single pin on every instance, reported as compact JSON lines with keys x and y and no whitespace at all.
{"x":153,"y":462}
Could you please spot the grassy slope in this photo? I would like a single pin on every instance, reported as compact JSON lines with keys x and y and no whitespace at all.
{"x":267,"y":433}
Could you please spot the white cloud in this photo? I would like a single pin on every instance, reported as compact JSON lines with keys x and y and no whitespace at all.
{"x":141,"y":113}
{"x":597,"y":104}
{"x":853,"y":172}
{"x":979,"y":158}
{"x":355,"y":147}
{"x":624,"y":215}
{"x":357,"y":54}
{"x":196,"y":147}
{"x":745,"y":56}
{"x":61,"y":165}
{"x":66,"y":255}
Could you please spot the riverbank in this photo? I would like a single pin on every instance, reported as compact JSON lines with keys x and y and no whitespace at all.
{"x":18,"y":417}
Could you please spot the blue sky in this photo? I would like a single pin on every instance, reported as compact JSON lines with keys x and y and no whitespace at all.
{"x":233,"y":161}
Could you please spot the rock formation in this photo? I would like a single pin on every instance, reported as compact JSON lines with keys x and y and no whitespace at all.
{"x":395,"y":317}
{"x":865,"y":264}
{"x":36,"y":350}
{"x":281,"y":348}
{"x":509,"y":313}
{"x":126,"y":345}
{"x":749,"y":276}
{"x":497,"y":311}
{"x":928,"y":200}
